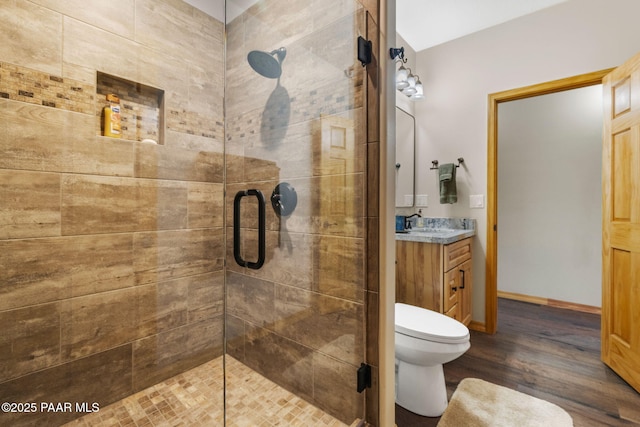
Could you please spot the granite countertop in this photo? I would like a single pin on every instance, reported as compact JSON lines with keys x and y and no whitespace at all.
{"x":440,"y":230}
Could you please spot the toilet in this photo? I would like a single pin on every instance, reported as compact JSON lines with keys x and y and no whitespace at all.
{"x":424,"y":341}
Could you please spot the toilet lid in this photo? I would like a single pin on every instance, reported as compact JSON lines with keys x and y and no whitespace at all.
{"x":428,"y":325}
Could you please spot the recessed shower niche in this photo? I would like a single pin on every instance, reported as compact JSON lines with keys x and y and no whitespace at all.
{"x":141,"y":108}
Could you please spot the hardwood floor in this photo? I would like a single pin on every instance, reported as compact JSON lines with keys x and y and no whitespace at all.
{"x":549,"y":353}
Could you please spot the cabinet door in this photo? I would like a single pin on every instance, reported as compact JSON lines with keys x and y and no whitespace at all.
{"x":465,"y":291}
{"x":451,"y":289}
{"x":454,"y":312}
{"x":418,"y":274}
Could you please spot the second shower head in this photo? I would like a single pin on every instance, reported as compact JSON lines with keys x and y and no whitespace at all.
{"x":267,"y":64}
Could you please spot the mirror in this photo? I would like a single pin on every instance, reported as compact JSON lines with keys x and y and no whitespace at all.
{"x":405,"y":158}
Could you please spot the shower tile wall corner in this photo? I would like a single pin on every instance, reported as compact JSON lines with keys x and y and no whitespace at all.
{"x":111,"y":251}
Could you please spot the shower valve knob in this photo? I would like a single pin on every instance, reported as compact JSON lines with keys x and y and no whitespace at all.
{"x":284,"y":199}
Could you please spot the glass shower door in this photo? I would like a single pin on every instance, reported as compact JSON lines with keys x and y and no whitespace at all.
{"x":295,"y":279}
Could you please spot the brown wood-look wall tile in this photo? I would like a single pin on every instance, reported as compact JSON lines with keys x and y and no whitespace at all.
{"x":334,"y":388}
{"x":161,"y":307}
{"x":44,"y":280}
{"x":191,"y":142}
{"x":257,"y":169}
{"x":169,"y":353}
{"x":281,"y":153}
{"x":92,"y":204}
{"x":50,"y":139}
{"x":331,"y":205}
{"x":251,"y":299}
{"x":95,"y":323}
{"x":88,"y":46}
{"x":157,"y":161}
{"x":161,"y":205}
{"x":101,"y":156}
{"x":166,"y":255}
{"x":99,"y":263}
{"x":30,"y":204}
{"x":330,"y":325}
{"x":116,"y":17}
{"x":206,"y":296}
{"x":232,"y":265}
{"x":205,"y":205}
{"x":235,"y":337}
{"x":154,"y":20}
{"x":102,"y":378}
{"x":40,"y":138}
{"x":338,"y":268}
{"x":39,"y":49}
{"x":323,"y":13}
{"x":289,"y":257}
{"x":284,"y":362}
{"x":30,"y":340}
{"x":42,"y":270}
{"x":235,"y":168}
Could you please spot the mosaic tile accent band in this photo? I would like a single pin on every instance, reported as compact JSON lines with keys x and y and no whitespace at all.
{"x":194,"y":123}
{"x":26,"y":85}
{"x":140,"y":108}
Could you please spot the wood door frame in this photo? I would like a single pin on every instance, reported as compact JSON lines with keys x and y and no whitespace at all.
{"x":491,"y":275}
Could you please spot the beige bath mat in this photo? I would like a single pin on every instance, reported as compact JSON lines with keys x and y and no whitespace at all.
{"x":478,"y":403}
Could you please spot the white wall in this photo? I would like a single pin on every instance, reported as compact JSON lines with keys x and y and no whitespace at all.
{"x":549,"y":196}
{"x":572,"y":38}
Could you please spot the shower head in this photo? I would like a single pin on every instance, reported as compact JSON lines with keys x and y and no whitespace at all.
{"x":266,"y":64}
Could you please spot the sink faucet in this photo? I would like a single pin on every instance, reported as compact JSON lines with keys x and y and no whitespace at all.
{"x":408,"y":222}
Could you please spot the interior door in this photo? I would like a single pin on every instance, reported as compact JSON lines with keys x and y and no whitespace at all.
{"x":621,"y":222}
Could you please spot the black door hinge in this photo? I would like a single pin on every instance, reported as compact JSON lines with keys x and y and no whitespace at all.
{"x":364,"y":377}
{"x":364,"y":51}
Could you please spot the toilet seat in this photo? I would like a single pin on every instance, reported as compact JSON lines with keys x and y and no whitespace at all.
{"x":428,"y":325}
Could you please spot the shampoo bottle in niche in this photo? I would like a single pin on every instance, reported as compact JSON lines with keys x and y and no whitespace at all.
{"x":112,"y":126}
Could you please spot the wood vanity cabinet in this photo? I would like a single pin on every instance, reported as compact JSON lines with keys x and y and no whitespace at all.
{"x":436,"y":276}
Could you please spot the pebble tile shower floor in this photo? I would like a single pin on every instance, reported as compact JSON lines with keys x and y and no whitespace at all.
{"x":195,"y":398}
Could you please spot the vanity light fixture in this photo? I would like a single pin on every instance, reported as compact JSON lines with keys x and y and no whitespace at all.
{"x":419,"y":90}
{"x":406,"y":82}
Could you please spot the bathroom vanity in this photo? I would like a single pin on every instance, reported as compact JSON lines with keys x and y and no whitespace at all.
{"x":434,"y":267}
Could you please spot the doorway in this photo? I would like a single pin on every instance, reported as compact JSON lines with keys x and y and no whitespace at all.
{"x":549,"y":199}
{"x":492,"y":180}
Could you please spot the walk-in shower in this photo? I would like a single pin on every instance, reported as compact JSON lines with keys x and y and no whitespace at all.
{"x":117,"y":270}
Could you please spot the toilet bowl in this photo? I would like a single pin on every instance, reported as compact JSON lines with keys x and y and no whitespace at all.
{"x":424,"y":341}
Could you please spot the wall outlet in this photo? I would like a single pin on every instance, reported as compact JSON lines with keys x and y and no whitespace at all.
{"x":476,"y":201}
{"x":422,"y":200}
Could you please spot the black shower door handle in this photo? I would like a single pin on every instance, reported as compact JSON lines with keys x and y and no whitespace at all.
{"x":261,"y":229}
